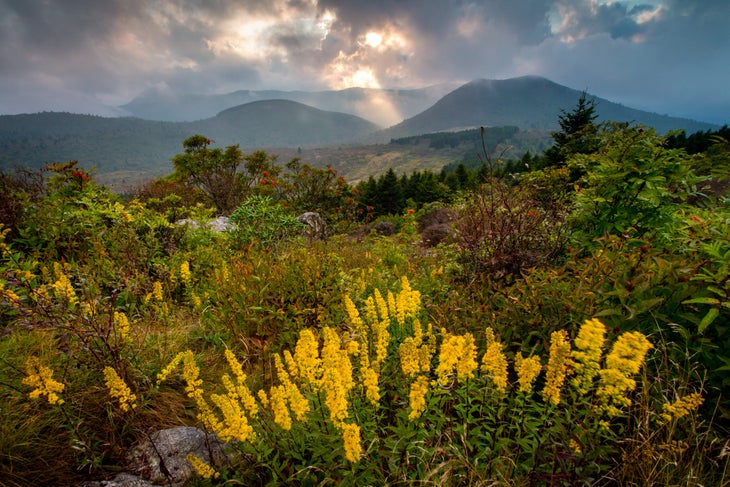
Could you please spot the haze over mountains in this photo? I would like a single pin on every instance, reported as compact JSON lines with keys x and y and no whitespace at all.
{"x":329,"y":118}
{"x":384,"y":107}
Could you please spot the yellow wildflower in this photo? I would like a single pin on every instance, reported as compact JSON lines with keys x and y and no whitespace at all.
{"x":351,"y":442}
{"x":195,"y":299}
{"x":682,"y":407}
{"x":494,"y":364}
{"x":8,"y":294}
{"x":587,"y":356}
{"x":381,"y":337}
{"x":298,"y":403}
{"x":558,"y":362}
{"x":121,"y":322}
{"x":240,"y":390}
{"x":157,"y":291}
{"x":625,"y":360}
{"x":62,"y":288}
{"x":119,"y":390}
{"x":185,"y":272}
{"x":40,"y":378}
{"x":382,"y":306}
{"x":235,"y":425}
{"x":458,"y":353}
{"x":372,"y":389}
{"x":371,"y":312}
{"x":392,"y":310}
{"x":466,"y":366}
{"x":353,"y":313}
{"x":169,"y":368}
{"x":417,"y":397}
{"x":408,"y":301}
{"x":574,"y":446}
{"x":203,"y":469}
{"x":527,"y":371}
{"x":277,"y":396}
{"x":353,"y":348}
{"x":336,"y":376}
{"x":191,"y":374}
{"x":263,"y":397}
{"x":409,"y":357}
{"x":306,"y":357}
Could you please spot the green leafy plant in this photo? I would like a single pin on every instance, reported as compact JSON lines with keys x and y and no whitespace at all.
{"x":261,"y":221}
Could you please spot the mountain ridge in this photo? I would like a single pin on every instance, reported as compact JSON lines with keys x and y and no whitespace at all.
{"x":526,"y":102}
{"x":114,"y":144}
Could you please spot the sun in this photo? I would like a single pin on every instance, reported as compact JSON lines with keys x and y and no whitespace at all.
{"x":373,"y":39}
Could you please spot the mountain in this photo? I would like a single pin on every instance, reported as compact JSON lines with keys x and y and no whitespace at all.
{"x":282,"y":123}
{"x":528,"y":102}
{"x":142,"y":146}
{"x":132,"y":144}
{"x":382,"y":106}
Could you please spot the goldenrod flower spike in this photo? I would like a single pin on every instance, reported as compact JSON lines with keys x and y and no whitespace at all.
{"x":202,"y":468}
{"x":557,"y":367}
{"x":119,"y":390}
{"x":682,"y":407}
{"x":494,"y":362}
{"x":185,"y":272}
{"x":587,"y":355}
{"x":306,"y":357}
{"x":458,"y":354}
{"x":527,"y":371}
{"x":40,"y":378}
{"x":351,"y":442}
{"x":417,"y":397}
{"x":625,"y":360}
{"x":352,"y":312}
{"x":121,"y":323}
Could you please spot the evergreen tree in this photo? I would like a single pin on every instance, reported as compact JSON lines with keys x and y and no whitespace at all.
{"x":390,"y":196}
{"x":578,"y":133}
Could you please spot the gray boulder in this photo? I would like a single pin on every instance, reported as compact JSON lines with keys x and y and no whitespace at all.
{"x":316,"y":226}
{"x":160,"y":459}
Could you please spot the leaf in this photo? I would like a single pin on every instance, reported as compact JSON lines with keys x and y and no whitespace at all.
{"x":609,"y":312}
{"x":704,"y":300}
{"x":709,"y":318}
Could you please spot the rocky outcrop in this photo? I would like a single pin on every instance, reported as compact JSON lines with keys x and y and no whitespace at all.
{"x":161,"y":459}
{"x":220,"y":224}
{"x":316,"y":226}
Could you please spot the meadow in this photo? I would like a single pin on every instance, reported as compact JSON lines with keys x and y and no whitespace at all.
{"x":570,"y":329}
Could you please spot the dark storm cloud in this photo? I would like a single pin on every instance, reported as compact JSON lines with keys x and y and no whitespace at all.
{"x":77,"y":55}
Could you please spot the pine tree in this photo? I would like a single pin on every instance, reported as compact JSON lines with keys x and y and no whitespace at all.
{"x":577,"y":134}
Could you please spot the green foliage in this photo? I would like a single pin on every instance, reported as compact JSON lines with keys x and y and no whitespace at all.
{"x":577,"y":134}
{"x":632,"y":186}
{"x":260,"y":220}
{"x":214,"y":171}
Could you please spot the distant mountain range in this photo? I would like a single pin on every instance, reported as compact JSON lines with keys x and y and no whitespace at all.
{"x":137,"y":145}
{"x":528,"y":102}
{"x":382,"y":106}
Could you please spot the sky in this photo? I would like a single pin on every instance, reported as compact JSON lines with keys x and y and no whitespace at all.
{"x":89,"y":56}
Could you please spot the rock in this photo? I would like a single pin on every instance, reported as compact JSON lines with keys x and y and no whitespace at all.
{"x":435,"y":234}
{"x":161,"y":458}
{"x":220,"y":224}
{"x":385,"y":228}
{"x":316,"y":226}
{"x":121,"y":480}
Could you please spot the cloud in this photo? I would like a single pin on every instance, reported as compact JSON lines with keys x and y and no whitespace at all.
{"x":665,"y":54}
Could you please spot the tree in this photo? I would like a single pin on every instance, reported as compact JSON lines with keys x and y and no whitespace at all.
{"x":578,"y":133}
{"x":213,"y":171}
{"x":390,"y":195}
